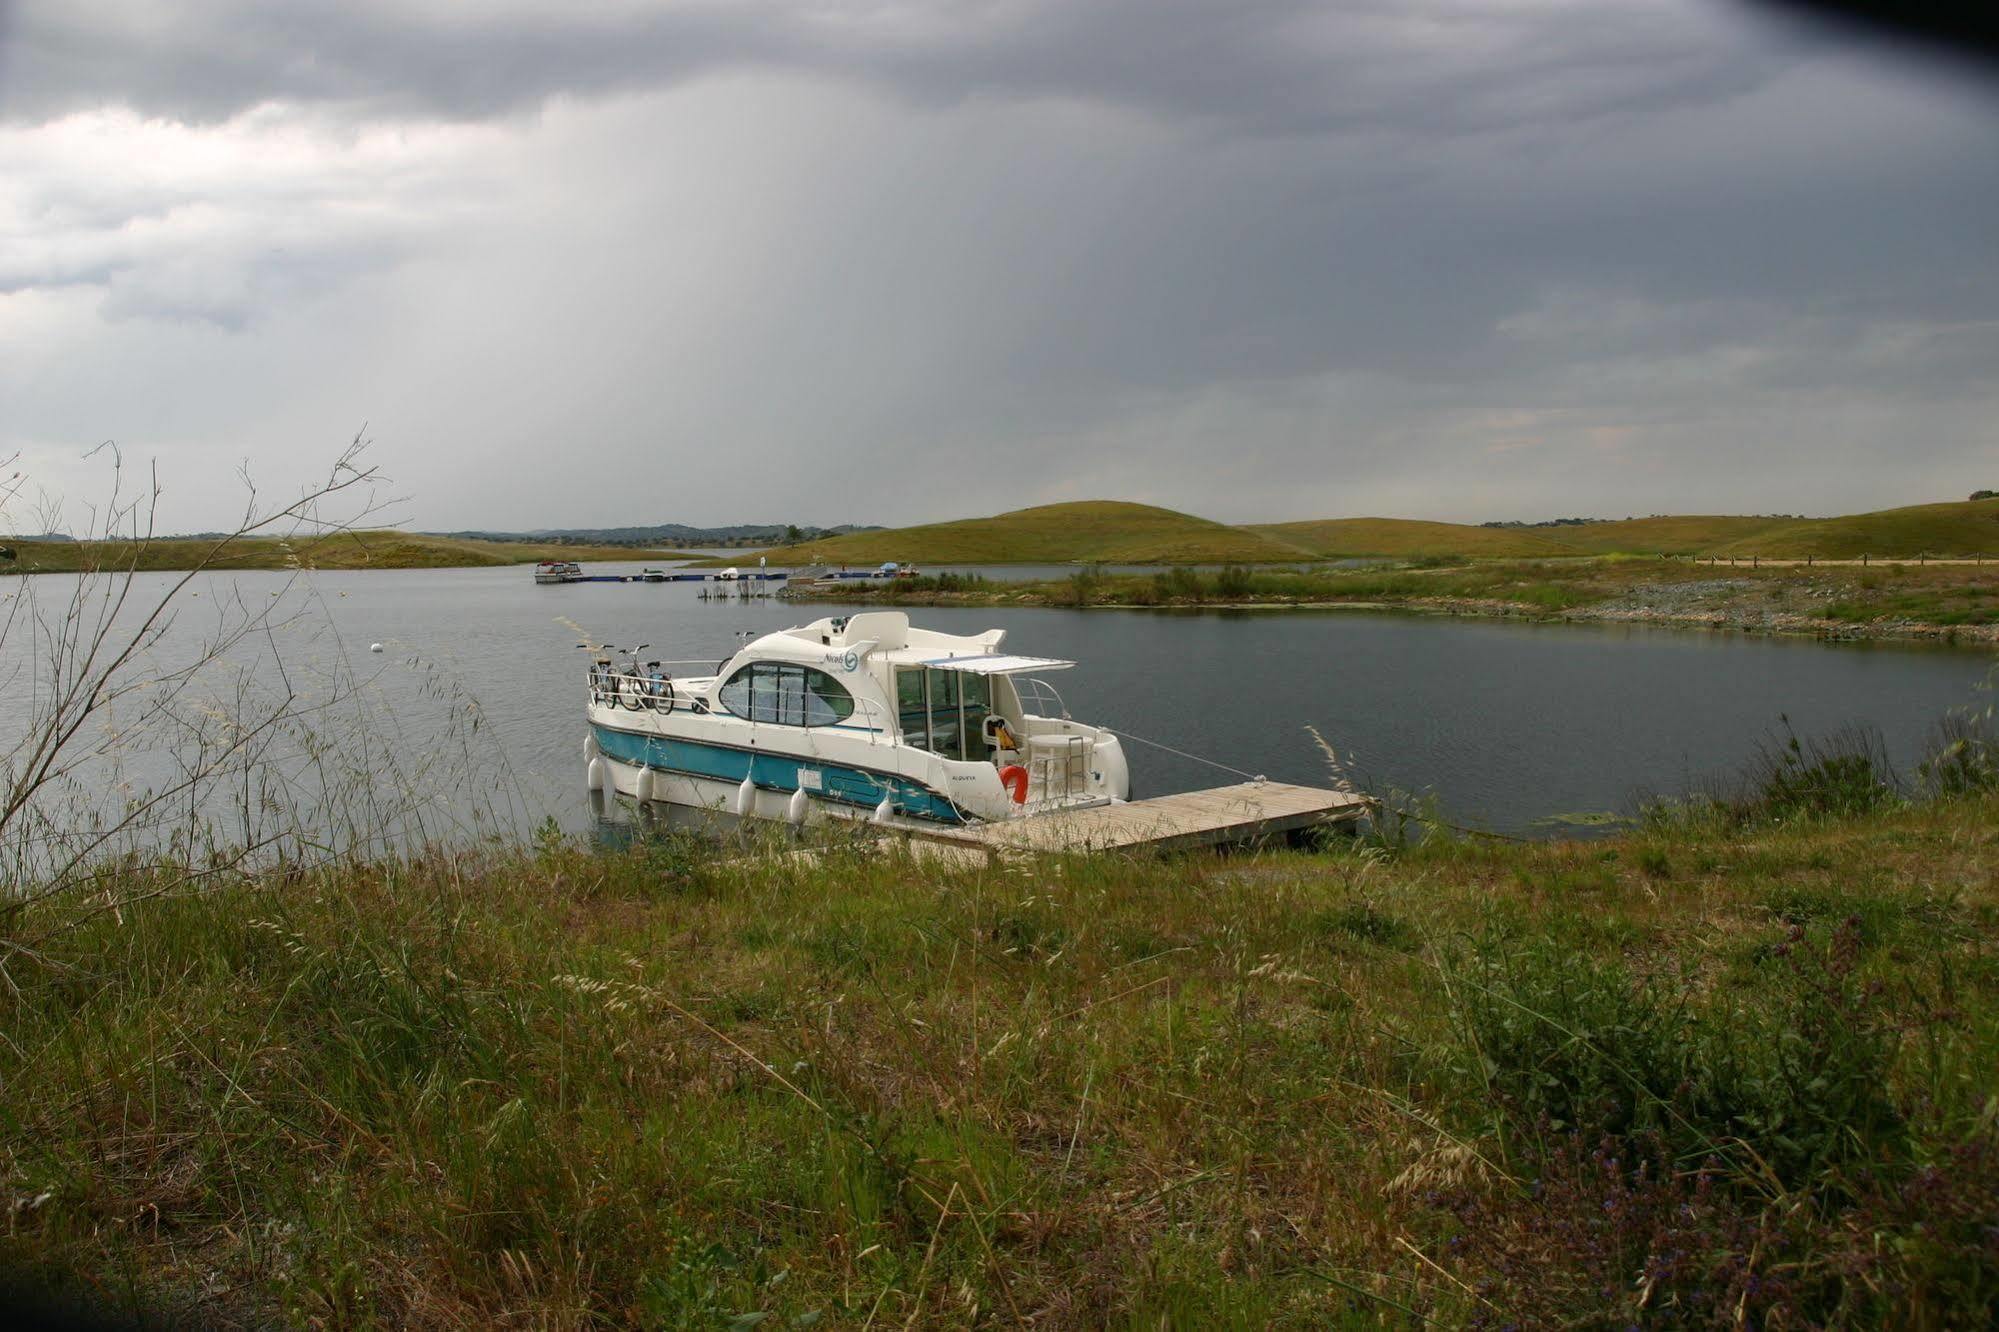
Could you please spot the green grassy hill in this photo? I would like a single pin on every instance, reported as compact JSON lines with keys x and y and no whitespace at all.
{"x":1959,"y":528}
{"x":1120,"y":533}
{"x":1408,"y":538}
{"x":1114,"y":532}
{"x":1673,"y":534}
{"x":347,"y":550}
{"x":1092,"y":530}
{"x":1967,"y":527}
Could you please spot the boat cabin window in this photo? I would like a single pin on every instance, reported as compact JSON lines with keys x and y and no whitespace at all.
{"x":944,"y":711}
{"x":787,"y":695}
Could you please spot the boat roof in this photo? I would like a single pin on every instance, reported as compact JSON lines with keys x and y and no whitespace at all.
{"x":887,"y":636}
{"x":994,"y":664}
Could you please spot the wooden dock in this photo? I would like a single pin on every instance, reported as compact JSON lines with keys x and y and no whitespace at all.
{"x":1222,"y":815}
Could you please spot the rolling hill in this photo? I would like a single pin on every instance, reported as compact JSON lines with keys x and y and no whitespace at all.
{"x":1409,"y":538}
{"x":1969,"y":527}
{"x":678,"y":535}
{"x":1672,"y":534}
{"x":1107,"y":531}
{"x":347,"y":550}
{"x":1114,"y":532}
{"x":1966,"y":527}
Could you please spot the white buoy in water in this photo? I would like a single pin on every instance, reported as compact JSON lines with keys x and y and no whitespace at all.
{"x":883,"y":812}
{"x":372,"y":647}
{"x":746,"y":798}
{"x":794,"y":809}
{"x":593,"y":774}
{"x":642,"y":792}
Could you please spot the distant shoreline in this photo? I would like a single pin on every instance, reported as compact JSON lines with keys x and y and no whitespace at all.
{"x":385,"y":549}
{"x":1938,"y":602}
{"x":1121,"y":532}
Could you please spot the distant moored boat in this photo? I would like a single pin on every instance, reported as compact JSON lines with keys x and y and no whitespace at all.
{"x":557,"y":571}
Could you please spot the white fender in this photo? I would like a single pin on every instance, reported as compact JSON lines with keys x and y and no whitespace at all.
{"x":794,"y":808}
{"x":590,"y":749}
{"x":593,"y":774}
{"x":642,"y":791}
{"x":746,"y":797}
{"x":883,"y":812}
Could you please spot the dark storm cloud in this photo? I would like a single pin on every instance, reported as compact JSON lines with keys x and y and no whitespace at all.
{"x":1259,"y":259}
{"x":1270,"y":66}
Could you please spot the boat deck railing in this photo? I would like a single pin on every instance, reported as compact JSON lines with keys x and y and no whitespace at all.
{"x":644,"y":692}
{"x":1036,"y":694}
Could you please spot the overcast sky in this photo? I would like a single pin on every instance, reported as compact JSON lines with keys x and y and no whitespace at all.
{"x":885,"y":261}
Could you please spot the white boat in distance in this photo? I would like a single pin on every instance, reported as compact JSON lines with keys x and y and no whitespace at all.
{"x":855,"y":716}
{"x":557,"y":571}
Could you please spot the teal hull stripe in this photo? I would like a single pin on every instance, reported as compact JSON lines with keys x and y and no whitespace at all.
{"x":774,"y":772}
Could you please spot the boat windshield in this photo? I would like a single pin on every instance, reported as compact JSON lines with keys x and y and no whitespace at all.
{"x":787,"y":695}
{"x":944,"y":711}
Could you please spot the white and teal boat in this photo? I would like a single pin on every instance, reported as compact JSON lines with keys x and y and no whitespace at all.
{"x":856,"y":717}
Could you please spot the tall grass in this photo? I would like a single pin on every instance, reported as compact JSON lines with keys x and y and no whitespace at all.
{"x":1799,"y":1150}
{"x":682,"y":1085}
{"x":1963,"y":756}
{"x":1782,"y":1091}
{"x":1845,"y":772}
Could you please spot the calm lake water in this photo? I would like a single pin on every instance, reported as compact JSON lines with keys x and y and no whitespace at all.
{"x":1505,"y":723}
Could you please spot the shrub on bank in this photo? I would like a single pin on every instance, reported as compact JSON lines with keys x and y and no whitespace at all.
{"x":1785,"y":1089}
{"x":1694,"y":1158}
{"x":1846,"y":772}
{"x":1963,"y":757}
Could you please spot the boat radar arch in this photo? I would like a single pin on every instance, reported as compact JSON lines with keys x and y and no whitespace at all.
{"x":888,"y":632}
{"x":889,"y":629}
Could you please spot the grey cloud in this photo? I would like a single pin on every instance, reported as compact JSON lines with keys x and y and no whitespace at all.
{"x":219,"y":224}
{"x":1268,"y":66}
{"x":1260,"y":261}
{"x":231,"y":289}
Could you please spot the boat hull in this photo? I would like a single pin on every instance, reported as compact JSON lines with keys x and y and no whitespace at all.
{"x":708,"y":775}
{"x":713,"y":797}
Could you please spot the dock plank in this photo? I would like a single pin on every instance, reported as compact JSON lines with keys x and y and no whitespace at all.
{"x":1244,"y":812}
{"x":1222,"y":815}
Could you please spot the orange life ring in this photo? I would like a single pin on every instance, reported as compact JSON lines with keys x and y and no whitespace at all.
{"x":1014,"y":778}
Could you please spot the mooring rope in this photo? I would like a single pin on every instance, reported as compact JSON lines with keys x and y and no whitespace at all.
{"x":1378,"y":801}
{"x":1132,"y":735}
